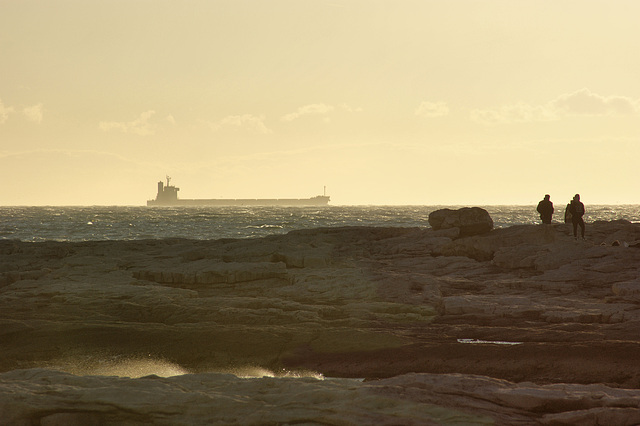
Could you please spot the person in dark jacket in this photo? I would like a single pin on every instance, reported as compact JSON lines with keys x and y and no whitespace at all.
{"x":545,"y":208}
{"x":576,"y":208}
{"x":567,"y":213}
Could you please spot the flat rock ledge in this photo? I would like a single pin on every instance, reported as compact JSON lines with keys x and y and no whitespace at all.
{"x":526,"y":313}
{"x":48,"y":397}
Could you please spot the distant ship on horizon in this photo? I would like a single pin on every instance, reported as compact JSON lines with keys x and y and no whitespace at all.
{"x":168,"y":196}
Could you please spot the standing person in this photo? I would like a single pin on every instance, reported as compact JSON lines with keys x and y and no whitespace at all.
{"x":577,"y":210}
{"x":545,"y":208}
{"x":567,"y":213}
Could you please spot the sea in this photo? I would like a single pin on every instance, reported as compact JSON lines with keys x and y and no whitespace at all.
{"x":96,"y":223}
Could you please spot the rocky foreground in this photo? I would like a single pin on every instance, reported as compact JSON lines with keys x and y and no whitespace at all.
{"x":523,"y":325}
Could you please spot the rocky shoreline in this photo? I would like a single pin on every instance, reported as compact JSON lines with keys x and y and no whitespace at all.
{"x":548,"y":323}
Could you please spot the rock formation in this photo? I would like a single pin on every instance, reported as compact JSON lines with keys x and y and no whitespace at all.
{"x":516,"y":325}
{"x":470,"y":220}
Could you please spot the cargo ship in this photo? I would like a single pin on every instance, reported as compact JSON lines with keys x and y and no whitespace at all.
{"x":168,"y":196}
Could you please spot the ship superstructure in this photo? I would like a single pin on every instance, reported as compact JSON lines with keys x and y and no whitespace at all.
{"x":168,"y":196}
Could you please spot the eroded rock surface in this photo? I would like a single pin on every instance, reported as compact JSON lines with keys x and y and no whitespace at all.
{"x":522,"y":304}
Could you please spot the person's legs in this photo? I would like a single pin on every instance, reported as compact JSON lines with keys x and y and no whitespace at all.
{"x":575,"y":227}
{"x":581,"y":227}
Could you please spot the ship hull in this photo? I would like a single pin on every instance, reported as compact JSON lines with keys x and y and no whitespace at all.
{"x":168,"y":196}
{"x":314,"y":201}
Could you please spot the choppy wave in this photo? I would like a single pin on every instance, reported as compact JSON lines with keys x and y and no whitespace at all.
{"x":136,"y":366}
{"x":131,"y":223}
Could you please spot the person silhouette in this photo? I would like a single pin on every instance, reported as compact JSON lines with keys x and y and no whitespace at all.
{"x":545,"y":208}
{"x":567,"y":213}
{"x":577,"y":210}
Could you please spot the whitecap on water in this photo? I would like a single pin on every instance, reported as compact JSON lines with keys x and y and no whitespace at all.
{"x":140,"y":368}
{"x":119,"y":366}
{"x":135,"y":367}
{"x":251,"y":372}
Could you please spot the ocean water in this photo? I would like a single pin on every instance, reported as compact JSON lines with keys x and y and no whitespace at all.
{"x":129,"y":223}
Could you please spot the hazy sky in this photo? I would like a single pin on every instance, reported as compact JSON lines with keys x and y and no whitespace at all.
{"x":383,"y":102}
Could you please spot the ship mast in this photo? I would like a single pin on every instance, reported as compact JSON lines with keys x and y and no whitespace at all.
{"x":168,"y":180}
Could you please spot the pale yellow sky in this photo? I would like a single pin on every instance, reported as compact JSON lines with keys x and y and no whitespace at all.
{"x":383,"y":102}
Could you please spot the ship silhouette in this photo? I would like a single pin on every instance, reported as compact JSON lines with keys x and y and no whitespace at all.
{"x":168,"y":196}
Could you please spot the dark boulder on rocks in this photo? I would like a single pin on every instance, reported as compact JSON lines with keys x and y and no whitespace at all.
{"x":470,"y":220}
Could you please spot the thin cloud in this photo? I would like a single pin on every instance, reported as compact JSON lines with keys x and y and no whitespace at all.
{"x":349,"y":108}
{"x":4,"y":112}
{"x":307,"y":150}
{"x":517,"y":113}
{"x":580,"y":103}
{"x":585,"y":102}
{"x":34,"y":113}
{"x":67,"y":153}
{"x":432,"y":109}
{"x":312,"y":109}
{"x":252,"y":123}
{"x":139,"y":126}
{"x":320,"y":109}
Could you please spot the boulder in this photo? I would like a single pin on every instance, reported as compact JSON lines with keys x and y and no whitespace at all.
{"x":470,"y":220}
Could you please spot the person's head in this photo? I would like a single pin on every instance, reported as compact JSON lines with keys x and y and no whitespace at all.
{"x":576,"y":197}
{"x":546,"y":197}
